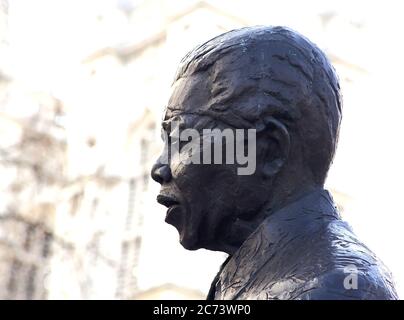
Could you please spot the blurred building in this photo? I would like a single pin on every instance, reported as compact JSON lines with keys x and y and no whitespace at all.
{"x":26,"y":209}
{"x":80,"y":220}
{"x":32,"y":163}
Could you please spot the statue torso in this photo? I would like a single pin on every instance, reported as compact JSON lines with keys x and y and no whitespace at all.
{"x":305,"y":252}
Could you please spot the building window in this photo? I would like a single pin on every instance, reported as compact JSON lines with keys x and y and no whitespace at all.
{"x":31,"y":282}
{"x":47,"y":242}
{"x":131,"y":203}
{"x":122,"y":270}
{"x":30,"y":233}
{"x":127,"y":273}
{"x":14,"y":276}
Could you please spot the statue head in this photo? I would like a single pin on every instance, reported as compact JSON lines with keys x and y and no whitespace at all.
{"x":270,"y":80}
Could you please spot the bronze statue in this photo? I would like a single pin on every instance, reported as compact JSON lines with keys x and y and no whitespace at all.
{"x":281,"y":229}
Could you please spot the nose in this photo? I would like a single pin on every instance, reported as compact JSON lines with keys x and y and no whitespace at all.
{"x":161,"y":172}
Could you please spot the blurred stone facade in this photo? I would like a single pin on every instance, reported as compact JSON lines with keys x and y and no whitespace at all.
{"x":76,"y":193}
{"x":28,"y":178}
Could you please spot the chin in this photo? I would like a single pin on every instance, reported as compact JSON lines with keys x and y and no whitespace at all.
{"x":189,"y":242}
{"x":194,"y":244}
{"x":190,"y":245}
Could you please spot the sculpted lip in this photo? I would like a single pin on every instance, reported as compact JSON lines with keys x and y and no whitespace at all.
{"x":167,"y":201}
{"x":172,"y":215}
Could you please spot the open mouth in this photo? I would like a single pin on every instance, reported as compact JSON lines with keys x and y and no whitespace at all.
{"x":173,"y":215}
{"x":166,"y":201}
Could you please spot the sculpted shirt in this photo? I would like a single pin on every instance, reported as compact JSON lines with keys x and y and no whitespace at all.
{"x":303,"y":251}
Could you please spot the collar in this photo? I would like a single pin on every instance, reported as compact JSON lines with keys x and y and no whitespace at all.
{"x":267,"y":246}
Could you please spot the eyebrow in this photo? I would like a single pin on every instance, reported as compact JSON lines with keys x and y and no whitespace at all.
{"x":166,"y":123}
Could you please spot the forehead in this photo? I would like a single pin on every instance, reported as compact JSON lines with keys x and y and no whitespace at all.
{"x":236,"y":82}
{"x":189,"y":94}
{"x":211,"y":87}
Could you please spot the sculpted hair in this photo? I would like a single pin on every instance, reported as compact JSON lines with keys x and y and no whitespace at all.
{"x":260,"y":72}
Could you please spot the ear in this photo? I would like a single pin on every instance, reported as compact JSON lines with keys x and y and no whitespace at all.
{"x":274,"y":144}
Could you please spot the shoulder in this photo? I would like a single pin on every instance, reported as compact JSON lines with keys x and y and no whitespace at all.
{"x":351,"y":284}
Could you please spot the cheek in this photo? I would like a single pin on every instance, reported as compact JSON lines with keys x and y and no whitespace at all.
{"x":207,"y":182}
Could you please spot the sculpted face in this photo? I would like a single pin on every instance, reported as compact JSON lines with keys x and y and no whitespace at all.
{"x":265,"y":79}
{"x":205,"y":202}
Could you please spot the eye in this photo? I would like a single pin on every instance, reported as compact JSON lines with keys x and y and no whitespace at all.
{"x":171,"y":129}
{"x":165,"y":125}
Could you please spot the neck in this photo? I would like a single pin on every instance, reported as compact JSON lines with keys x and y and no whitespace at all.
{"x":240,"y":229}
